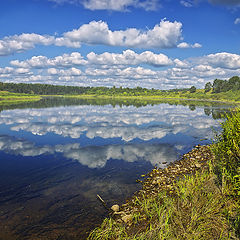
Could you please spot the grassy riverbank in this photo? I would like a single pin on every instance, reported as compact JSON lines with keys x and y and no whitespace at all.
{"x":199,"y":95}
{"x":197,"y":197}
{"x":14,"y":98}
{"x":232,"y":97}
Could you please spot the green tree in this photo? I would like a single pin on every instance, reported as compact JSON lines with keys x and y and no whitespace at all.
{"x":234,"y":83}
{"x":192,"y":89}
{"x":218,"y":86}
{"x":208,"y":87}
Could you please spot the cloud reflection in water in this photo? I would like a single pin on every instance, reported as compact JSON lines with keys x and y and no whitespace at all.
{"x":127,"y":123}
{"x":93,"y":156}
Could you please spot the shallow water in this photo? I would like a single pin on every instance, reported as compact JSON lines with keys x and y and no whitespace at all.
{"x":57,"y":155}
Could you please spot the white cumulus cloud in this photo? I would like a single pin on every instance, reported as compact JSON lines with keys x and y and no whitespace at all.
{"x":166,"y":34}
{"x":187,"y":45}
{"x":223,"y":60}
{"x":25,"y":41}
{"x":65,"y":60}
{"x":148,"y":5}
{"x":129,"y":57}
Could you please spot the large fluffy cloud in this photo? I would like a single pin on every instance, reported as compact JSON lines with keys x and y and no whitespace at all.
{"x":113,"y":5}
{"x":166,"y":34}
{"x":119,"y":5}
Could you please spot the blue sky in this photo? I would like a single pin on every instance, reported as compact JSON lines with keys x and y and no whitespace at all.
{"x":149,"y":43}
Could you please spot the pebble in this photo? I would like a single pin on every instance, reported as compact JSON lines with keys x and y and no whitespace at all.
{"x":115,"y":208}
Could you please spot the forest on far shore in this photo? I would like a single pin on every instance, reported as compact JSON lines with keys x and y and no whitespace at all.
{"x":217,"y":86}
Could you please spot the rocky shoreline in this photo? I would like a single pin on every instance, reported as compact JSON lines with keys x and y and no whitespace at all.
{"x":163,"y":179}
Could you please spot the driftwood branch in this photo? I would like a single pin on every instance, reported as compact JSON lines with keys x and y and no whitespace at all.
{"x":102,"y":201}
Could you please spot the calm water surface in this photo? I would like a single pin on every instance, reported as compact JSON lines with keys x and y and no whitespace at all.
{"x":55,"y":156}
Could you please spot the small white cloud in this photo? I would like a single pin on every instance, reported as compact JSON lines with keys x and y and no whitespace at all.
{"x":19,"y":43}
{"x":52,"y":71}
{"x":196,"y":45}
{"x":183,"y":45}
{"x":237,"y":21}
{"x":72,"y":72}
{"x":187,"y":45}
{"x":186,"y":3}
{"x":22,"y":70}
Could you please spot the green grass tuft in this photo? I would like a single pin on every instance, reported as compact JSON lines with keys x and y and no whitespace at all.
{"x":194,"y":211}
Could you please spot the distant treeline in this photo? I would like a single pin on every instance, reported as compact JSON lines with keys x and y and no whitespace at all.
{"x":46,"y":89}
{"x":41,"y":89}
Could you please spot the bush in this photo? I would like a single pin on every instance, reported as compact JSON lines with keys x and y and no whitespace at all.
{"x":227,"y":153}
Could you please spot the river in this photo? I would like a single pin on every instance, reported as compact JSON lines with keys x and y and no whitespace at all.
{"x":56,"y":155}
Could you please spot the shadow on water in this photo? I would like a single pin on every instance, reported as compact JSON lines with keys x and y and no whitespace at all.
{"x":48,"y":191}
